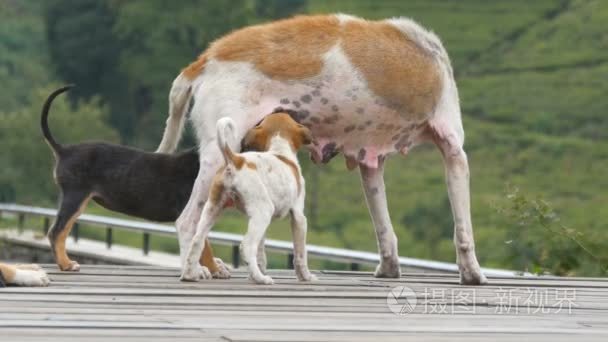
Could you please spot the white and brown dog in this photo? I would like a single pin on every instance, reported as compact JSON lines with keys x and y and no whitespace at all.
{"x":263,"y":185}
{"x":22,"y":275}
{"x":366,"y":89}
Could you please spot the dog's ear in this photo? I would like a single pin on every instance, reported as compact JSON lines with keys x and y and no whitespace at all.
{"x":306,"y":135}
{"x":254,"y":140}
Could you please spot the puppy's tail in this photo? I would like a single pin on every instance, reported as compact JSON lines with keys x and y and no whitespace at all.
{"x":179,"y":97}
{"x":44,"y":124}
{"x":225,"y":136}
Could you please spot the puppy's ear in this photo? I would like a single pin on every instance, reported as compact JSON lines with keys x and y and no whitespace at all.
{"x":307,"y":137}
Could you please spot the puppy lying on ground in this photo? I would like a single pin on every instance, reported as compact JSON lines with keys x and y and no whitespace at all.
{"x":153,"y":186}
{"x":22,"y":275}
{"x":263,"y":185}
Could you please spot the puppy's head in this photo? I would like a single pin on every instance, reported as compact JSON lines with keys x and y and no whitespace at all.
{"x":258,"y":138}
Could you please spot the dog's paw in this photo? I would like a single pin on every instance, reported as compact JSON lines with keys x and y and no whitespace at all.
{"x":262,"y":280}
{"x":31,"y":278}
{"x":473,"y":277}
{"x":195,"y":273}
{"x":308,"y":277}
{"x":72,"y":266}
{"x":388,"y":269}
{"x":223,"y":271}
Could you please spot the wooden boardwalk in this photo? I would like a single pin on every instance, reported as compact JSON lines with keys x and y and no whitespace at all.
{"x":144,"y":303}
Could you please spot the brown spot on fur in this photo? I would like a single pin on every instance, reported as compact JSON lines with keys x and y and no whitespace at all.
{"x":251,"y":165}
{"x":195,"y":68}
{"x":394,"y":66}
{"x":207,"y":258}
{"x":216,"y":192}
{"x":294,"y":169}
{"x":285,"y":49}
{"x":237,"y":160}
{"x":8,"y":272}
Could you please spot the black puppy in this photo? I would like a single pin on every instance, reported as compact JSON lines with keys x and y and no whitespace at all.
{"x":153,"y":186}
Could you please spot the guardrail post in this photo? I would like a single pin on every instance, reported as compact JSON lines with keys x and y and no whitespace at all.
{"x":146,"y":246}
{"x":236,"y":256}
{"x":75,"y":232}
{"x":109,"y":237}
{"x":45,"y":225}
{"x":354,"y":266}
{"x":290,"y":261}
{"x":21,"y":219}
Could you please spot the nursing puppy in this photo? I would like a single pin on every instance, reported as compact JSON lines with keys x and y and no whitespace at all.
{"x":153,"y":186}
{"x":22,"y":275}
{"x":263,"y":185}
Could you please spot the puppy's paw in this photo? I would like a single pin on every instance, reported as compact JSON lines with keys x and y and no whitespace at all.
{"x":31,"y":278}
{"x":195,"y":273}
{"x":72,"y":266}
{"x":223,"y":271}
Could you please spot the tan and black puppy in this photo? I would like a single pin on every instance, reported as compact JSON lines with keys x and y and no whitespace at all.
{"x":22,"y":275}
{"x":153,"y":186}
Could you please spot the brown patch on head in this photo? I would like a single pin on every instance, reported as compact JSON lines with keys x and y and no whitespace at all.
{"x":395,"y":67}
{"x":284,"y":49}
{"x":195,"y":68}
{"x":294,"y":169}
{"x":258,"y":138}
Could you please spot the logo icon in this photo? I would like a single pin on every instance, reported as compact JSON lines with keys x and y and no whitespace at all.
{"x":401,"y":300}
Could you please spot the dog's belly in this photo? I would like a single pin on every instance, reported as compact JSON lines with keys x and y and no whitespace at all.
{"x":348,"y":118}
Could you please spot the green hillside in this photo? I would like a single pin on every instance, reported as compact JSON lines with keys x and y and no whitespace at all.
{"x":533,"y":84}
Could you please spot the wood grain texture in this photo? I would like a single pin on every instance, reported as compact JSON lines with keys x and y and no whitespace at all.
{"x":140,"y":303}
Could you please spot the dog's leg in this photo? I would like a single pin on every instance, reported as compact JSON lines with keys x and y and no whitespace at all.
{"x":187,"y":221}
{"x":192,"y":269}
{"x":258,"y":223}
{"x":375,"y":195}
{"x":457,"y":177}
{"x":300,"y":258}
{"x":72,"y":205}
{"x":24,"y":276}
{"x":262,"y":262}
{"x":215,"y":265}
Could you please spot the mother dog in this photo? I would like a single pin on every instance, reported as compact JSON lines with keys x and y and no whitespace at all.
{"x":367,"y":89}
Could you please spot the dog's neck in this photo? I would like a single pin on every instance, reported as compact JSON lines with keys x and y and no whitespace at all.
{"x":280,"y":146}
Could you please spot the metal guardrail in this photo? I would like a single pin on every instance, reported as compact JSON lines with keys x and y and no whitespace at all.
{"x":354,"y":258}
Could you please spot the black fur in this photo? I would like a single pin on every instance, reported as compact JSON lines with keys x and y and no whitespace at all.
{"x":153,"y":186}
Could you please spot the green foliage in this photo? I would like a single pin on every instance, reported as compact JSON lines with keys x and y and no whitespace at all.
{"x":540,"y":242}
{"x":26,"y":175}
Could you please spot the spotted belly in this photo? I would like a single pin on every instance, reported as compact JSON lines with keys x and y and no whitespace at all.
{"x":348,"y":120}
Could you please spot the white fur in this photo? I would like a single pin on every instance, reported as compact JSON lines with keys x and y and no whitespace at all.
{"x":270,"y":190}
{"x":239,"y":91}
{"x":27,"y":275}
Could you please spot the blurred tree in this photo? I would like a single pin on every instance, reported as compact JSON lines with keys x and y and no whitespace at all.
{"x":26,"y":175}
{"x":85,"y":51}
{"x":23,"y":58}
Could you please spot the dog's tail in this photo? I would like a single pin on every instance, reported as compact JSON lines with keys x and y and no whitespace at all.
{"x":226,"y":136}
{"x":179,"y":97}
{"x":44,"y":124}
